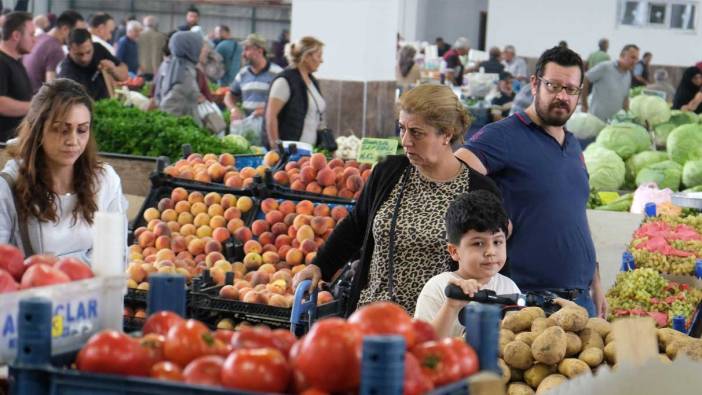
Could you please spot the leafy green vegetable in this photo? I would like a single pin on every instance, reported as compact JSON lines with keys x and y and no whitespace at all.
{"x":666,"y":174}
{"x":650,"y":110}
{"x":677,"y":118}
{"x":585,"y":125}
{"x":626,"y":139}
{"x":685,"y":143}
{"x":692,"y":173}
{"x":641,"y":160}
{"x":606,"y":169}
{"x":623,"y":203}
{"x":123,"y":130}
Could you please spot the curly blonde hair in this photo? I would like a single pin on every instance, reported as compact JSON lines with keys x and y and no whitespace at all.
{"x":439,"y":107}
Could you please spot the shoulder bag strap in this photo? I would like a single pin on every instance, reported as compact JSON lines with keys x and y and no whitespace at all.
{"x":21,"y":223}
{"x":391,"y":242}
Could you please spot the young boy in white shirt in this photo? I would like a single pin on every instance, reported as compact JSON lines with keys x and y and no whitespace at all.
{"x":476,"y":228}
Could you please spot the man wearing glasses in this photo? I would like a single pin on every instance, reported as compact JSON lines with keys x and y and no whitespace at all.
{"x":539,"y":168}
{"x":610,"y":83}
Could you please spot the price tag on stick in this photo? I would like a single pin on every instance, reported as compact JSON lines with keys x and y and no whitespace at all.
{"x":374,"y":149}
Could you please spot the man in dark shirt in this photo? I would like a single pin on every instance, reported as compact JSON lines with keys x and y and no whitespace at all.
{"x":502,"y":103}
{"x":493,"y":64}
{"x":128,"y":49}
{"x":454,"y":66}
{"x":441,"y":46}
{"x":192,"y":18}
{"x":86,"y":61}
{"x":15,"y":88}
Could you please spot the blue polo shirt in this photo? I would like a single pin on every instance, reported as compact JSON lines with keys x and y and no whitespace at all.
{"x":128,"y":52}
{"x":545,"y":189}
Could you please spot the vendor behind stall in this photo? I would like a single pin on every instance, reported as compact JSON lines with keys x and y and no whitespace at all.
{"x":397,"y":224}
{"x":54,"y":185}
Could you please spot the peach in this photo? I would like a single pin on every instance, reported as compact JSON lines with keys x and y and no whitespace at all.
{"x":297,"y":185}
{"x":213,"y":246}
{"x":267,"y":268}
{"x":212,"y":198}
{"x":195,"y":196}
{"x":292,"y":231}
{"x":146,"y":239}
{"x":148,"y":251}
{"x":319,"y":241}
{"x":291,"y":165}
{"x":215,"y":171}
{"x":271,"y":158}
{"x":201,"y":219}
{"x":231,"y":213}
{"x":152,"y":224}
{"x":305,"y":207}
{"x":326,"y":177}
{"x":213,"y":257}
{"x":164,"y":204}
{"x":313,"y":187}
{"x":302,"y":220}
{"x":297,"y":269}
{"x":269,"y":247}
{"x":345,"y":193}
{"x":224,"y":265}
{"x":151,"y":213}
{"x":324,"y":297}
{"x":248,"y":172}
{"x":266,"y":238}
{"x":339,"y":212}
{"x":134,"y":248}
{"x":252,"y":246}
{"x":140,"y":313}
{"x":243,"y":233}
{"x":274,"y":216}
{"x":282,"y":240}
{"x":286,"y":207}
{"x":255,"y":297}
{"x":282,"y":274}
{"x":199,"y":258}
{"x":365,"y":175}
{"x":178,"y":244}
{"x":187,"y":229}
{"x":289,"y":219}
{"x":186,"y":173}
{"x":148,"y":268}
{"x":270,"y":257}
{"x":228,"y":200}
{"x":307,"y":246}
{"x":196,"y":246}
{"x":319,"y":225}
{"x":259,"y":226}
{"x":354,"y":183}
{"x":248,"y":182}
{"x":283,"y":250}
{"x":227,"y":159}
{"x":221,"y":234}
{"x":182,"y":206}
{"x":136,"y":272}
{"x":165,"y":255}
{"x":162,"y":229}
{"x":276,"y":297}
{"x":268,"y":205}
{"x":307,"y":175}
{"x":150,"y":259}
{"x":244,"y":203}
{"x":305,"y":232}
{"x":229,"y":292}
{"x":336,"y":162}
{"x":310,"y":257}
{"x":234,"y":224}
{"x":173,"y":226}
{"x":294,"y":256}
{"x":279,"y":228}
{"x":330,"y":191}
{"x":252,"y":261}
{"x":215,"y":209}
{"x":321,"y":210}
{"x":260,"y":277}
{"x":218,"y":275}
{"x":198,"y":208}
{"x":234,"y":181}
{"x":281,"y":177}
{"x":218,"y":222}
{"x":239,"y":267}
{"x":171,"y":171}
{"x":162,"y":242}
{"x":318,"y":161}
{"x":295,"y":243}
{"x":207,"y":157}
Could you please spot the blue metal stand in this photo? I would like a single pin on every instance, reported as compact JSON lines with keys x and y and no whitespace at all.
{"x":300,"y":307}
{"x":383,"y":365}
{"x":482,"y":323}
{"x":166,"y":292}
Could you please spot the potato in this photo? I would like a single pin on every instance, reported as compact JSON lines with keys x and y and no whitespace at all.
{"x":540,"y":324}
{"x":599,"y":325}
{"x":692,"y":349}
{"x":667,"y":335}
{"x":518,"y":355}
{"x":591,"y":338}
{"x":535,"y":374}
{"x":526,"y":337}
{"x":505,"y":370}
{"x":517,"y":321}
{"x":516,"y":375}
{"x":674,"y":346}
{"x":592,"y":356}
{"x":506,"y":336}
{"x":550,"y":382}
{"x":571,"y":318}
{"x":574,"y":344}
{"x":535,"y":312}
{"x":519,"y":389}
{"x":610,"y":353}
{"x":571,"y":367}
{"x":550,"y":346}
{"x":609,"y":338}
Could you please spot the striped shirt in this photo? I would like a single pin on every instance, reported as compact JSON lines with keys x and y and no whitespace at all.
{"x":253,"y":88}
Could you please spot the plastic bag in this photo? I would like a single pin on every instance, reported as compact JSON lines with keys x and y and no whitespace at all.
{"x":249,"y":127}
{"x":211,"y":117}
{"x":649,"y":193}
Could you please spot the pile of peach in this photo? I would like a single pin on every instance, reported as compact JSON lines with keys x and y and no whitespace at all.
{"x":211,"y":168}
{"x":314,"y":174}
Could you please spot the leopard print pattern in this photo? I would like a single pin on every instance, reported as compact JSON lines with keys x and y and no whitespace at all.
{"x":420,"y":241}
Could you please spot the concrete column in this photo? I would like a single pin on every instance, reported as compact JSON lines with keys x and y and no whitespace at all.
{"x":358,"y":74}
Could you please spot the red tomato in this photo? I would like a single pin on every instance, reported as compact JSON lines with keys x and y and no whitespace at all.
{"x":40,"y":274}
{"x":384,"y":318}
{"x":153,"y":344}
{"x":47,"y":259}
{"x":7,"y":282}
{"x":12,"y":260}
{"x":161,"y":322}
{"x":262,"y":369}
{"x":188,"y":340}
{"x":283,"y":340}
{"x":314,"y":391}
{"x":74,"y":268}
{"x":439,"y":363}
{"x":166,"y":370}
{"x":329,"y":356}
{"x":113,"y":352}
{"x":467,"y":358}
{"x":416,"y":382}
{"x":205,"y":370}
{"x":252,"y":337}
{"x":423,"y":331}
{"x":224,"y":335}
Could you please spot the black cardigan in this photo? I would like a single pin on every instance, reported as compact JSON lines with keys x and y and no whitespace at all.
{"x":354,"y":235}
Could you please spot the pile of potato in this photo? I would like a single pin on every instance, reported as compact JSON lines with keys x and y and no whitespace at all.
{"x":539,"y":353}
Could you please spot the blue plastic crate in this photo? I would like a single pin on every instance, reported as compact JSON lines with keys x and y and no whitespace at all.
{"x":249,"y":160}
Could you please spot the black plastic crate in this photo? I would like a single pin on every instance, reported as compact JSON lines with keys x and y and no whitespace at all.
{"x":270,"y":188}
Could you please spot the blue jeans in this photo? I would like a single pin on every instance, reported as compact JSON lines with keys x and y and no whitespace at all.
{"x":585,"y":300}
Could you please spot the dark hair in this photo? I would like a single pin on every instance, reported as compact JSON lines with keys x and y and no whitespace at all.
{"x":100,"y":19}
{"x":563,"y":43}
{"x":224,"y":28}
{"x":603,"y":43}
{"x":194,"y":9}
{"x":78,"y":36}
{"x":439,"y":39}
{"x":628,"y":47}
{"x":166,"y":49}
{"x":35,"y":197}
{"x":68,"y":18}
{"x":647,"y":54}
{"x":480,"y":211}
{"x":14,"y":22}
{"x":561,"y":56}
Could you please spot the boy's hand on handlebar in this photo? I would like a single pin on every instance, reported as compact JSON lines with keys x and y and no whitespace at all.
{"x":469,"y":287}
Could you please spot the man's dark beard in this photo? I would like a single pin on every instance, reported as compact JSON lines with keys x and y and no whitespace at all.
{"x":545,"y":116}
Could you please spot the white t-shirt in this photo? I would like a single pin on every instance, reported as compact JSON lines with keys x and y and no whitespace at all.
{"x":433,"y":297}
{"x":314,"y":119}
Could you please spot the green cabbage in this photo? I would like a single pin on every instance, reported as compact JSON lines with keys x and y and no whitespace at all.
{"x":641,"y":160}
{"x":626,"y":139}
{"x":605,"y":167}
{"x":665,"y":174}
{"x":237,"y":141}
{"x":662,"y":132}
{"x":685,"y":143}
{"x":584,"y":125}
{"x":692,"y":173}
{"x":679,"y":117}
{"x":651,"y":110}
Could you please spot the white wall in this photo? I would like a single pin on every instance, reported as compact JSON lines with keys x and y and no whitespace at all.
{"x":359,"y":36}
{"x":424,"y":20}
{"x":532,"y":26}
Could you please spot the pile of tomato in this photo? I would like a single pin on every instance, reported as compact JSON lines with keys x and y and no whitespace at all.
{"x":325,"y":360}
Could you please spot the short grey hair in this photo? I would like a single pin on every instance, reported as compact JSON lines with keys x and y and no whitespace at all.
{"x":462,"y":42}
{"x":510,"y":48}
{"x":134,"y":25}
{"x":151,"y":22}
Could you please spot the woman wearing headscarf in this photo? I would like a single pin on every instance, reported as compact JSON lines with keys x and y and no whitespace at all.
{"x":406,"y":71}
{"x":688,"y":96}
{"x":176,"y":91}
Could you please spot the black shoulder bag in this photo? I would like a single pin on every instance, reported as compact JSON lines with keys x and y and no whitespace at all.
{"x":325,"y":137}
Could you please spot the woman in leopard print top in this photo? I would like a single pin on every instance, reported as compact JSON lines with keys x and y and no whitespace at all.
{"x":397,"y":226}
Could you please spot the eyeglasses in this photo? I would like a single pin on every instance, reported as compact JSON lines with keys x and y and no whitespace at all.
{"x":557,"y":88}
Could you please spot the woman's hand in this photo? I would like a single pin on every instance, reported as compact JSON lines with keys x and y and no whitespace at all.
{"x":311,"y":272}
{"x":469,"y":287}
